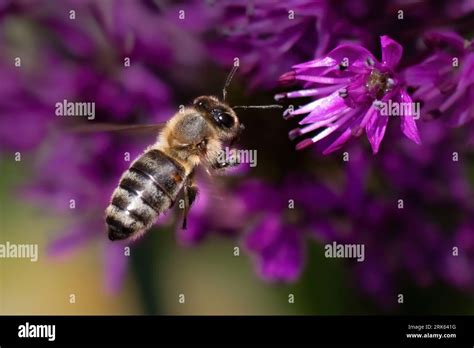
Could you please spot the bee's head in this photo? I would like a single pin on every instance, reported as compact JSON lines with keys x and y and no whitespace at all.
{"x":221,"y":115}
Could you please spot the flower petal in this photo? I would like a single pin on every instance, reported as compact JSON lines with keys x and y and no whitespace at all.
{"x":336,"y":144}
{"x":264,"y":234}
{"x":353,"y":53}
{"x":284,"y":261}
{"x":450,"y":38}
{"x":429,"y":70}
{"x":316,"y":63}
{"x":344,"y":117}
{"x":375,"y":129}
{"x":408,"y":124}
{"x":391,"y":51}
{"x":279,"y":250}
{"x":315,"y":71}
{"x":322,"y":108}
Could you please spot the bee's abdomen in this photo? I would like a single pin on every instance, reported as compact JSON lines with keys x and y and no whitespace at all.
{"x":149,"y":187}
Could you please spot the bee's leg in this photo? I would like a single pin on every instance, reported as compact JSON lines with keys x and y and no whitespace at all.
{"x":190,"y":191}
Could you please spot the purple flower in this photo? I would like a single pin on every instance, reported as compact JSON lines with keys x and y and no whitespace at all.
{"x":409,"y":227}
{"x":27,"y":98}
{"x":215,"y":210}
{"x":280,"y":249}
{"x":350,"y":87}
{"x":444,"y":81}
{"x":270,"y":36}
{"x":281,"y":218}
{"x":252,"y":31}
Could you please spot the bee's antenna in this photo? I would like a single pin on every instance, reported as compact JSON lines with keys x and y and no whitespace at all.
{"x":229,"y":78}
{"x":272,"y":106}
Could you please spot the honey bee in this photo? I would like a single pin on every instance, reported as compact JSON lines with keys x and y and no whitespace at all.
{"x":193,"y":136}
{"x":151,"y":184}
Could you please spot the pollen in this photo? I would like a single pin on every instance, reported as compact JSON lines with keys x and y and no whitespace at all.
{"x":379,"y":83}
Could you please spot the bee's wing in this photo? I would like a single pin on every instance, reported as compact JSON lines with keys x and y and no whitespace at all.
{"x":112,"y":127}
{"x":212,"y":183}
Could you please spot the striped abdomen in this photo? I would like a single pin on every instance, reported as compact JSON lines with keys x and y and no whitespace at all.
{"x":149,"y":187}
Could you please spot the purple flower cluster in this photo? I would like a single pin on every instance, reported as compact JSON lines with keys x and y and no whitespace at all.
{"x":350,"y":85}
{"x":445,"y":80}
{"x":270,"y":36}
{"x":282,"y":217}
{"x":426,"y":68}
{"x":403,"y":234}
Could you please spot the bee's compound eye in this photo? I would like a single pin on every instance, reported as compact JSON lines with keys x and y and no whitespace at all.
{"x":226,"y":120}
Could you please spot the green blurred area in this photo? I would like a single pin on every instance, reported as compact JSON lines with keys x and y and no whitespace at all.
{"x":212,"y":279}
{"x":45,"y":286}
